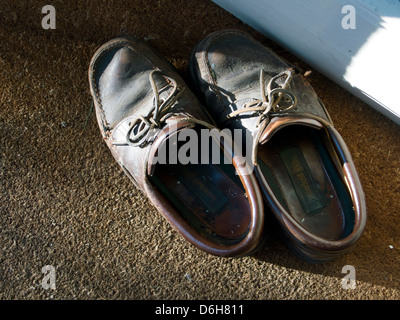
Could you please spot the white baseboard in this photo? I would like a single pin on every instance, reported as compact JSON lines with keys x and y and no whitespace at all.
{"x":364,"y":60}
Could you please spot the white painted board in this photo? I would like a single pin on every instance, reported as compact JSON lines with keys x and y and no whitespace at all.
{"x":360,"y":51}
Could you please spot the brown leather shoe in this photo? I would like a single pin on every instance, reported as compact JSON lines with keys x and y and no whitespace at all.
{"x":301,"y":162}
{"x":146,"y":113}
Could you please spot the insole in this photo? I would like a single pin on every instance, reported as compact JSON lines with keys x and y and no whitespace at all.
{"x":305,"y":180}
{"x":209,"y":196}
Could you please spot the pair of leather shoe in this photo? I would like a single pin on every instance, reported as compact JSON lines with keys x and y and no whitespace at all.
{"x":296,"y":164}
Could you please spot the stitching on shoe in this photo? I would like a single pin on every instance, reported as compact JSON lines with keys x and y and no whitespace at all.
{"x":207,"y":44}
{"x":114,"y":44}
{"x":106,"y":125}
{"x":206,"y":69}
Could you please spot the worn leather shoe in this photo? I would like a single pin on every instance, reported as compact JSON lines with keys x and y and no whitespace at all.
{"x":146,"y":113}
{"x":302,"y":164}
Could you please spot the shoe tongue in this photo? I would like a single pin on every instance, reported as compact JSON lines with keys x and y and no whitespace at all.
{"x":278,"y":123}
{"x":166,"y":133}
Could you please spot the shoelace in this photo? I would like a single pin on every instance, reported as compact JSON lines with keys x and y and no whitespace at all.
{"x":268,"y":105}
{"x":270,"y":98}
{"x":141,"y":127}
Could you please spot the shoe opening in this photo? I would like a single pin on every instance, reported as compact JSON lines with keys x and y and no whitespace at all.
{"x":306,"y":176}
{"x":209,"y":196}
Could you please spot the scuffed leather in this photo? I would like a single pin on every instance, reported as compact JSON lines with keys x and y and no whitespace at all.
{"x":226,"y":69}
{"x":120,"y":86}
{"x":227,"y":65}
{"x":119,"y":78}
